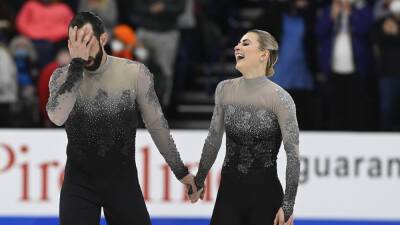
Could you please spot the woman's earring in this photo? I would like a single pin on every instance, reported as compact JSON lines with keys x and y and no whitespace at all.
{"x":261,"y":59}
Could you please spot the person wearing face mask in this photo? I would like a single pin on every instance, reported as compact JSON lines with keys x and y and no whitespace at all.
{"x":346,"y":61}
{"x":257,"y":115}
{"x":124,"y":42}
{"x":292,"y":23}
{"x":25,"y":58}
{"x":97,"y":98}
{"x":386,"y":35}
{"x":25,"y":111}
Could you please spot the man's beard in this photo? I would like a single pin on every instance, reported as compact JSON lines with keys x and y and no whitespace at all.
{"x":96,"y":60}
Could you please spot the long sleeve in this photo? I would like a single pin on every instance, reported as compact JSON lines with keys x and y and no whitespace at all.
{"x":64,"y":86}
{"x":286,"y":111}
{"x":43,"y":87}
{"x":156,"y":123}
{"x":213,"y":140}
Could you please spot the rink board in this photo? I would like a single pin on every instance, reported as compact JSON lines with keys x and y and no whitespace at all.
{"x":346,"y":178}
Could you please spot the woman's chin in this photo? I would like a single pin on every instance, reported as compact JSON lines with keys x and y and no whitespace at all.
{"x":239,"y":66}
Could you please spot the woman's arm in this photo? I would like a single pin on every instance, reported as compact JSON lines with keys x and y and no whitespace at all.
{"x":286,"y":111}
{"x":213,"y":140}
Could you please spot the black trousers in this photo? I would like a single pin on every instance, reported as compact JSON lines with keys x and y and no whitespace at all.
{"x":119,"y":194}
{"x":249,"y":199}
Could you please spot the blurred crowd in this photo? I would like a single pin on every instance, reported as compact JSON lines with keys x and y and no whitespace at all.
{"x":339,"y":59}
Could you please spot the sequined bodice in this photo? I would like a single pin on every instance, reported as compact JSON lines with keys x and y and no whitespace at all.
{"x":105,"y":124}
{"x":253,"y":138}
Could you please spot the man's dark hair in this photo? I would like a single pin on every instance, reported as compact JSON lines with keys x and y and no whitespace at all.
{"x":83,"y":18}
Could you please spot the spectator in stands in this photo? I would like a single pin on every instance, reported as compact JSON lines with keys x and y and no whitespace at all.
{"x":386,"y":36}
{"x":44,"y":22}
{"x":6,"y":22}
{"x":292,"y":23}
{"x":381,"y":9}
{"x":106,"y":9}
{"x":24,"y":54}
{"x":25,"y":57}
{"x":345,"y":57}
{"x":8,"y":85}
{"x":189,"y":40}
{"x":159,"y":32}
{"x":124,"y":44}
{"x":123,"y":41}
{"x":63,"y":58}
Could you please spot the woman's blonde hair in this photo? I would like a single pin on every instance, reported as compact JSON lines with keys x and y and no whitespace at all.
{"x":268,"y":42}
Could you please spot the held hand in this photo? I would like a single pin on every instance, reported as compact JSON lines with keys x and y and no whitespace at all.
{"x":280,"y":218}
{"x":188,"y":181}
{"x":290,"y":221}
{"x":80,"y":42}
{"x":194,"y":197}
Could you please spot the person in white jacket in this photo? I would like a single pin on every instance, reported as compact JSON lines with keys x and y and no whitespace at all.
{"x":8,"y":85}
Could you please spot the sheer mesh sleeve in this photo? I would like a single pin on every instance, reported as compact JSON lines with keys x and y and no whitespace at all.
{"x":286,"y":111}
{"x":213,"y":140}
{"x":64,"y":86}
{"x":156,"y":123}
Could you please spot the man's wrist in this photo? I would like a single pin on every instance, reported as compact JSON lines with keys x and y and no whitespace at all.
{"x":78,"y":61}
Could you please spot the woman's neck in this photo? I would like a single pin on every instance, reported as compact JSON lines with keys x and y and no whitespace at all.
{"x":253,"y":74}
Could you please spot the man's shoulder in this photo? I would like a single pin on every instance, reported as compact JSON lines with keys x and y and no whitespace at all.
{"x":126,"y":62}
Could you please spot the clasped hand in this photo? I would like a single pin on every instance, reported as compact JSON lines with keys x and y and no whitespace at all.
{"x":191,"y":189}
